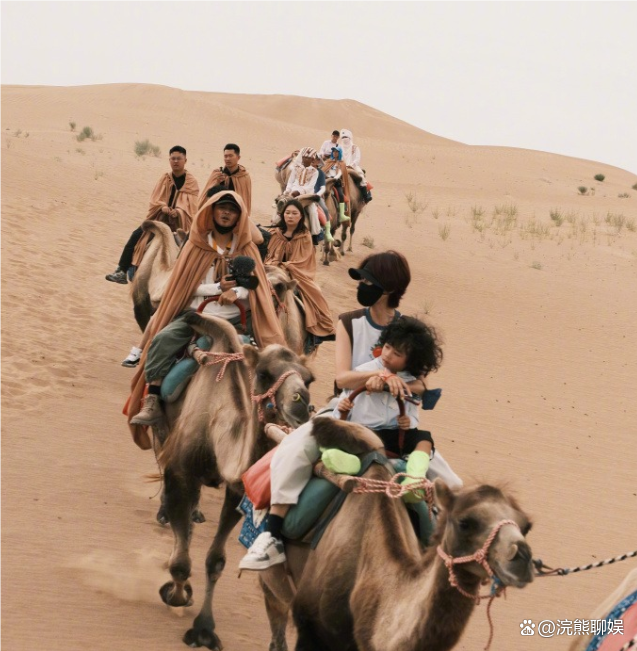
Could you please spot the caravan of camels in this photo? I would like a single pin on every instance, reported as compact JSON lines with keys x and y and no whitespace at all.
{"x":353,"y":520}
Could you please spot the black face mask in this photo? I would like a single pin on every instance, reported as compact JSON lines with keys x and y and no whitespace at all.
{"x":367,"y":295}
{"x":222,"y":230}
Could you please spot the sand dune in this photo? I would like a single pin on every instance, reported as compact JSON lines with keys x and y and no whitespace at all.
{"x":531,"y":284}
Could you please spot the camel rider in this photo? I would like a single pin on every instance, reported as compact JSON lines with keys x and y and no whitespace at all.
{"x":303,"y":181}
{"x":319,"y":190}
{"x":235,"y":177}
{"x":352,"y":158}
{"x":231,"y":176}
{"x":332,"y":170}
{"x":219,"y":233}
{"x":410,"y":349}
{"x":173,"y":201}
{"x":325,"y":151}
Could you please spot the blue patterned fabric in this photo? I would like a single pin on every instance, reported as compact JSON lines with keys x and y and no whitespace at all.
{"x":249,"y":531}
{"x":614,"y":614}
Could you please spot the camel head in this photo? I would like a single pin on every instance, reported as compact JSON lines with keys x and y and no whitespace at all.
{"x":280,"y":281}
{"x":469,"y":516}
{"x":280,"y":201}
{"x":292,"y":397}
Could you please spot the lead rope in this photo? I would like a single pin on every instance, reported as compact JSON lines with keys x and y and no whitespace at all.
{"x":544,"y":570}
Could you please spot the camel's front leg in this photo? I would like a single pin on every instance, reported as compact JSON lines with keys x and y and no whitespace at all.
{"x":180,"y":495}
{"x":344,"y":229}
{"x":202,"y":632}
{"x":326,"y":253}
{"x":351,"y":235}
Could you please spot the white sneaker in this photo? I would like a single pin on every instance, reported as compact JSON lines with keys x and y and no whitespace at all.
{"x":133,"y":357}
{"x":266,"y":551}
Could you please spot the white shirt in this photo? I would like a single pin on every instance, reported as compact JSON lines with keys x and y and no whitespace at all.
{"x":378,"y":410}
{"x":210,"y":288}
{"x":326,"y":148}
{"x":294,"y":183}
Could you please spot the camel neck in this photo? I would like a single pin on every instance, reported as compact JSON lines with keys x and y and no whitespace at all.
{"x":447,"y":612}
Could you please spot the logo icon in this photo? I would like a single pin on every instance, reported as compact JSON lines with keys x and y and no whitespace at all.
{"x":527,"y":627}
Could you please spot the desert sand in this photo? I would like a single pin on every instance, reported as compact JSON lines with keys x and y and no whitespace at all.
{"x":537,"y":313}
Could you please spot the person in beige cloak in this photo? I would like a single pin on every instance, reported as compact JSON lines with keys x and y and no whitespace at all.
{"x":290,"y":248}
{"x":219,"y":233}
{"x":235,"y":177}
{"x":173,"y":201}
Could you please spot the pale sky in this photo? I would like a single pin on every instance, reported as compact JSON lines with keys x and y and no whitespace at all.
{"x":551,"y":76}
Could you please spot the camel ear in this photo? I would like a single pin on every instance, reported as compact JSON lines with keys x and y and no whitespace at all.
{"x":291,"y":285}
{"x":251,"y":354}
{"x":443,"y":495}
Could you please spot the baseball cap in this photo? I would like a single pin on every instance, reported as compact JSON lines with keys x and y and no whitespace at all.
{"x":360,"y":274}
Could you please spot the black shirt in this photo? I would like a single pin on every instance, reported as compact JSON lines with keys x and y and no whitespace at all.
{"x":178,"y":184}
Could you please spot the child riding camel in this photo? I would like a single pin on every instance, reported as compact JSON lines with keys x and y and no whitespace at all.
{"x":410,"y":349}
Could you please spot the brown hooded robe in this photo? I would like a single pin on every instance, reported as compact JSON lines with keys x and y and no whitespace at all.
{"x":196,"y":257}
{"x":242,"y":186}
{"x":301,"y":265}
{"x":184,"y":201}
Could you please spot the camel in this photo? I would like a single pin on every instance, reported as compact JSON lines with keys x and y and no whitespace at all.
{"x":356,"y":206}
{"x":627,"y":587}
{"x":215,"y":433}
{"x":282,"y":176}
{"x":368,"y":586}
{"x":290,"y":313}
{"x":154,"y":271}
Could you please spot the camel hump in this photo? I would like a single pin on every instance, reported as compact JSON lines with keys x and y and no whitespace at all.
{"x":217,"y":328}
{"x":354,"y":174}
{"x":155,"y":226}
{"x":349,"y":437}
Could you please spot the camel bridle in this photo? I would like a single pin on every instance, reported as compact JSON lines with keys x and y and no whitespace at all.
{"x":479,"y":557}
{"x":271,"y":394}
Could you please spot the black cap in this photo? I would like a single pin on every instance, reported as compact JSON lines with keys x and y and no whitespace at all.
{"x":228,"y":198}
{"x":360,"y":274}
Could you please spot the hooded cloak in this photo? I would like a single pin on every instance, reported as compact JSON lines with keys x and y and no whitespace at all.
{"x":184,"y":201}
{"x":194,"y":261}
{"x":300,"y":263}
{"x":240,"y":181}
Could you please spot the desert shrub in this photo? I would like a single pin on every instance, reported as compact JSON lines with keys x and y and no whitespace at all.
{"x":557,"y":217}
{"x":537,"y":265}
{"x":146,"y":148}
{"x":17,"y":133}
{"x":72,"y":125}
{"x":416,"y":208}
{"x":599,"y":177}
{"x":617,"y":221}
{"x":368,"y":242}
{"x":582,"y":189}
{"x":630,"y":225}
{"x":635,"y":186}
{"x":623,"y":195}
{"x":87,"y":133}
{"x":444,"y":232}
